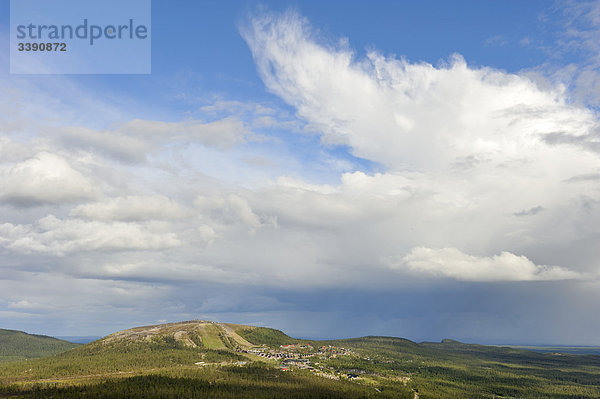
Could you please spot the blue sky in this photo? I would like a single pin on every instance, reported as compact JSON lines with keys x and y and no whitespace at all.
{"x":422,"y":169}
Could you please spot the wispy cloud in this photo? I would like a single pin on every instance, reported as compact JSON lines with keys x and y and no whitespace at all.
{"x":495,"y":41}
{"x":574,"y":53}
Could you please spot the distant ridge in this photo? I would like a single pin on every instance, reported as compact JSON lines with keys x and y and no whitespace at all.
{"x":78,"y":339}
{"x":450,"y":341}
{"x":573,"y":350}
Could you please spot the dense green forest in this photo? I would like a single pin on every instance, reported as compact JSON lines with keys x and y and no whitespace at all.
{"x":212,"y":360}
{"x":254,"y":381}
{"x":265,"y":336}
{"x":17,"y":345}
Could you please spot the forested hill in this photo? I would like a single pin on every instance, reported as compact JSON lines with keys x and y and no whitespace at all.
{"x":17,"y":345}
{"x":199,"y":358}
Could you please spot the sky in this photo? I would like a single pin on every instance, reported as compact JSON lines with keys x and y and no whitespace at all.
{"x":424,"y":170}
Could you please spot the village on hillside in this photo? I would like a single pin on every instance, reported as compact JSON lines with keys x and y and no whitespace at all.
{"x":303,"y":356}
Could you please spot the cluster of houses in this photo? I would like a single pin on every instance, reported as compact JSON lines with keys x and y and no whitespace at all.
{"x":298,"y":351}
{"x":329,"y":351}
{"x":297,"y":347}
{"x":299,"y":356}
{"x":297,"y":363}
{"x":321,"y":371}
{"x":273,"y":354}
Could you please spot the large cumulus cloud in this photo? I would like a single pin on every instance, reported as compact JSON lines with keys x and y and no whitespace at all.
{"x":468,"y":152}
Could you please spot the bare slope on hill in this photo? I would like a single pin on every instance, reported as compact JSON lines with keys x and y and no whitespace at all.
{"x":193,"y":334}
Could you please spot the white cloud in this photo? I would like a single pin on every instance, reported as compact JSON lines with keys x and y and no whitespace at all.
{"x":122,"y":147}
{"x":222,"y":133}
{"x":132,"y":208}
{"x":464,"y":150}
{"x":232,"y":209}
{"x":134,"y":140}
{"x":12,"y":151}
{"x":54,"y":236}
{"x":27,"y":305}
{"x":45,"y":178}
{"x":452,"y":263}
{"x":170,"y":271}
{"x":235,"y":107}
{"x":407,"y":115}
